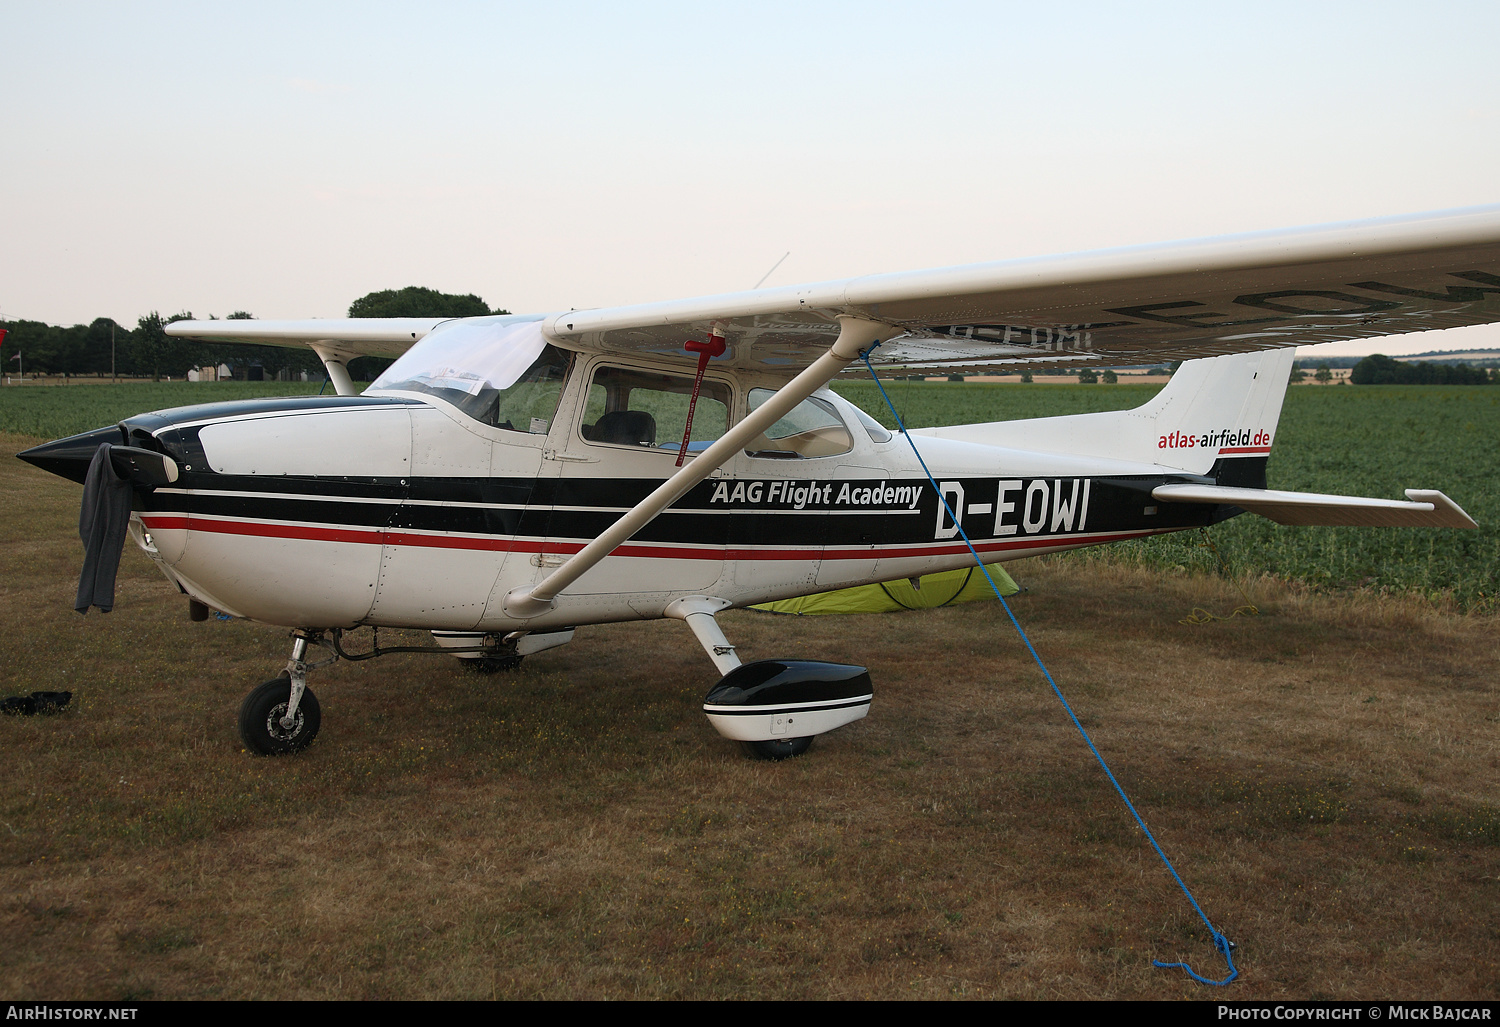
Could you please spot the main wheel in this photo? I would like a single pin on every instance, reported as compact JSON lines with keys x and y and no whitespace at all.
{"x":260,"y":719}
{"x":778,"y":748}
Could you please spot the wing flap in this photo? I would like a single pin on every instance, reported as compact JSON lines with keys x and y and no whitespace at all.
{"x":1425,"y":508}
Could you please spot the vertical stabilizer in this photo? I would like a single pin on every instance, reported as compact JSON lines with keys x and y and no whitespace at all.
{"x":1217,"y":415}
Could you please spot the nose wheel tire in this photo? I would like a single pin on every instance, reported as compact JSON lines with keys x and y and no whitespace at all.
{"x":777,"y":749}
{"x":260,"y":719}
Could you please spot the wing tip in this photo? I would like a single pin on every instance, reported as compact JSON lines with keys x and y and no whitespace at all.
{"x":1451,"y":514}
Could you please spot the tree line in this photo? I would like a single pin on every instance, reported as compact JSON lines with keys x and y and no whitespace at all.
{"x":1379,"y":369}
{"x":147,"y":351}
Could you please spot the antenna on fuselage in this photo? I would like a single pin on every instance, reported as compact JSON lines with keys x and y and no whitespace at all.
{"x":768,"y":274}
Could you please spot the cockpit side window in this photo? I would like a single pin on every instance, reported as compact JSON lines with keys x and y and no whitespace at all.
{"x":531,"y":403}
{"x":636,"y":407}
{"x":812,"y":428}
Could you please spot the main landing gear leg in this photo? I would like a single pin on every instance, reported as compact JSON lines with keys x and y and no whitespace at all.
{"x":773,"y":708}
{"x":698,"y":612}
{"x":282,"y":716}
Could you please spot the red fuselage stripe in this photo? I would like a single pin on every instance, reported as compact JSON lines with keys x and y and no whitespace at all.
{"x":375,"y":536}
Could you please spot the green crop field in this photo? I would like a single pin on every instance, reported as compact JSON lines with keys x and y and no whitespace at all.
{"x":929,"y":404}
{"x":1371,"y":440}
{"x":1377,"y":441}
{"x":53,"y":411}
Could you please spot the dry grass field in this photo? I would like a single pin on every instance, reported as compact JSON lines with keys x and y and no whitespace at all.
{"x":1326,"y":777}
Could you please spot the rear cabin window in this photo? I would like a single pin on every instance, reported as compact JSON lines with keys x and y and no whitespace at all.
{"x":812,"y":428}
{"x":649,"y":410}
{"x":873,"y":428}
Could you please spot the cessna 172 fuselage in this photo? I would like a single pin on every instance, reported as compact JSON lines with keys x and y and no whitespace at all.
{"x":511,"y":478}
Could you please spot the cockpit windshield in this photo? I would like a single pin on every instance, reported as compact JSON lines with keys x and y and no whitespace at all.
{"x":504,"y":374}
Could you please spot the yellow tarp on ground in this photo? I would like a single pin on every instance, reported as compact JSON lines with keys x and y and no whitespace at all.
{"x":946,"y":588}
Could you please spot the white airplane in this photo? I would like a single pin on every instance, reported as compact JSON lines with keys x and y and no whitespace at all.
{"x":511,"y":478}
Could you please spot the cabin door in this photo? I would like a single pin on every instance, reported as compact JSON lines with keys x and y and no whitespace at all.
{"x":622,"y":443}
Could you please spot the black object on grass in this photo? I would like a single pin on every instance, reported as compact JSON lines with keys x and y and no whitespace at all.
{"x":36,"y":702}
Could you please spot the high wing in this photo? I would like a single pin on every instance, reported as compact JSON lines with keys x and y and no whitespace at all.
{"x":356,"y":336}
{"x":336,"y":340}
{"x":1146,"y":304}
{"x":1137,"y":305}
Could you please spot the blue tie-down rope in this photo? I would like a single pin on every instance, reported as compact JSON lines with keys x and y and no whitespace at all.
{"x":1223,"y":944}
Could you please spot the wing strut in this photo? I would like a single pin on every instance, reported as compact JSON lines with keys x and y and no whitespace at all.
{"x":854,"y":335}
{"x":336,"y":364}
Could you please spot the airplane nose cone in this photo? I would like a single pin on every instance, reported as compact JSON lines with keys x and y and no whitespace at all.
{"x":70,"y":457}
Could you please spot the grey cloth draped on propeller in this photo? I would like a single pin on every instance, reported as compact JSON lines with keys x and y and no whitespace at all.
{"x":102,"y":521}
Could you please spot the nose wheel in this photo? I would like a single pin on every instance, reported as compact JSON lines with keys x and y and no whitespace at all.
{"x":263,"y":717}
{"x":282,"y":715}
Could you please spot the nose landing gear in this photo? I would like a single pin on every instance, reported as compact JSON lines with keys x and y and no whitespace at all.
{"x":262,"y":715}
{"x":282,"y":716}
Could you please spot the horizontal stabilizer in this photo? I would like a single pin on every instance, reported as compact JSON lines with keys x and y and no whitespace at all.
{"x":1426,"y":509}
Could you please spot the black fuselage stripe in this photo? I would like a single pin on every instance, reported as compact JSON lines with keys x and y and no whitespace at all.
{"x":1114,"y":505}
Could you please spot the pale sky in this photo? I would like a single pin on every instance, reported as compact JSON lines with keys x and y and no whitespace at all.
{"x":288,"y":158}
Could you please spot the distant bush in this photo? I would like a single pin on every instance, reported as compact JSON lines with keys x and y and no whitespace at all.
{"x":1379,"y":369}
{"x":415,"y":301}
